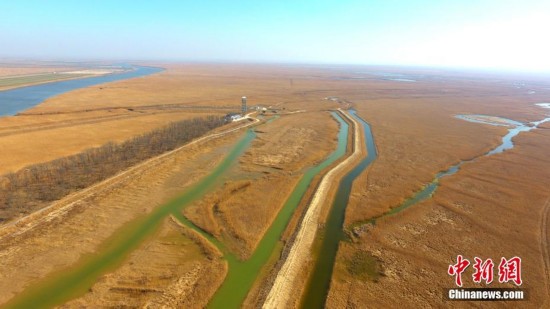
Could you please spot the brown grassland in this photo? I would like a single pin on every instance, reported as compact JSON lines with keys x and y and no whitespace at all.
{"x":10,"y":70}
{"x":28,"y":190}
{"x":240,"y":212}
{"x":174,"y":269}
{"x":492,"y":207}
{"x":48,"y":137}
{"x":84,"y":120}
{"x":104,"y":215}
{"x":16,"y":74}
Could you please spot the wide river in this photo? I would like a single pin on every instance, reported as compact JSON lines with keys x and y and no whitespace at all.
{"x":17,"y":100}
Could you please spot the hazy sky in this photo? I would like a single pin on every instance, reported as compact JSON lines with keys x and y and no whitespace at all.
{"x":477,"y":33}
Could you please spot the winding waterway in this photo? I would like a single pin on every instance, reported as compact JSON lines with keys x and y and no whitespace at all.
{"x":318,"y":285}
{"x":76,"y":281}
{"x":514,"y":128}
{"x":242,"y":274}
{"x":17,"y":100}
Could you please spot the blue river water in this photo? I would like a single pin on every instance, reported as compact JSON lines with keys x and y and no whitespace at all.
{"x":515,"y":128}
{"x":19,"y":99}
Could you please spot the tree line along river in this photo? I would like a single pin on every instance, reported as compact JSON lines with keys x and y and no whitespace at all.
{"x":69,"y":284}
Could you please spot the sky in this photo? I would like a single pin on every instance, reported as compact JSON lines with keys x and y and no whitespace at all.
{"x":493,"y":34}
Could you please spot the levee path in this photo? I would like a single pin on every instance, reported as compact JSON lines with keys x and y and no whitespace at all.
{"x":63,"y":206}
{"x":284,"y":284}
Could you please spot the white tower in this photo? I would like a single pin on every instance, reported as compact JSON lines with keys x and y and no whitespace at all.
{"x":243,"y":107}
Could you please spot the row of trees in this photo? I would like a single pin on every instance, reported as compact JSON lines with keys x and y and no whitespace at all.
{"x":31,"y":188}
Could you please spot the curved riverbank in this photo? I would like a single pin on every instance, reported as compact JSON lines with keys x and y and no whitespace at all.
{"x":19,"y":99}
{"x":514,"y":128}
{"x":242,"y":274}
{"x":283,"y":287}
{"x":76,"y":280}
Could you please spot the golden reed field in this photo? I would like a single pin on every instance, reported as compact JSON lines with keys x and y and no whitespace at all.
{"x":493,"y":207}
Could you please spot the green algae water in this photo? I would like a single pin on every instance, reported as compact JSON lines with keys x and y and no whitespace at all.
{"x":242,"y":274}
{"x":423,"y":194}
{"x":76,"y":281}
{"x":319,"y":283}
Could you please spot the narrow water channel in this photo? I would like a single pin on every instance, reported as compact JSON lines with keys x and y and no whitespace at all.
{"x":76,"y":280}
{"x":319,"y":282}
{"x":242,"y":274}
{"x":515,"y":128}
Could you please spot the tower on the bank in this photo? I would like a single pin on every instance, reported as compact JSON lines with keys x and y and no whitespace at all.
{"x":243,"y":107}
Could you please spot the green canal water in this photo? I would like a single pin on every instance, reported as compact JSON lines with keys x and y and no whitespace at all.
{"x":242,"y":274}
{"x":76,"y":281}
{"x":425,"y":193}
{"x":319,"y":282}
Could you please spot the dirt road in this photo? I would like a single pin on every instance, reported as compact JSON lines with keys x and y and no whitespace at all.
{"x":64,"y":205}
{"x":299,"y":254}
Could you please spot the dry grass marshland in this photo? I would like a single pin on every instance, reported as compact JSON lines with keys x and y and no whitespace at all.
{"x":241,"y":210}
{"x":492,"y":207}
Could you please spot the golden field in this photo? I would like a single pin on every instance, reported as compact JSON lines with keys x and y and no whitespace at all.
{"x":106,"y":214}
{"x":492,"y":207}
{"x":240,"y":212}
{"x":15,"y":69}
